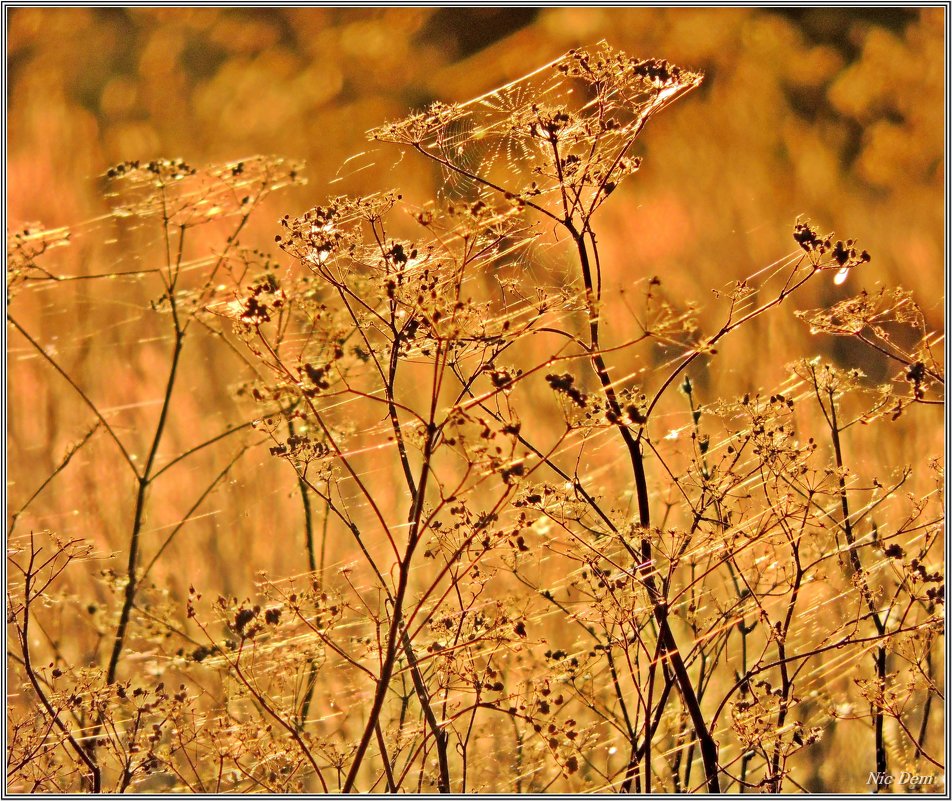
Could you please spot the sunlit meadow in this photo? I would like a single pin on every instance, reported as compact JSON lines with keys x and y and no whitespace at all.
{"x":475,"y":400}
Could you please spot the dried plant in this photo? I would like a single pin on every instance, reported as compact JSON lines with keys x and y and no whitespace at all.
{"x":567,"y":569}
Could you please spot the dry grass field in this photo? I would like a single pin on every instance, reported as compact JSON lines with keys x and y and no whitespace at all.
{"x":475,"y":400}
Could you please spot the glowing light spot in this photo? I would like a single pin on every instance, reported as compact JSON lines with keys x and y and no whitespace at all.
{"x":841,"y":276}
{"x":542,"y":525}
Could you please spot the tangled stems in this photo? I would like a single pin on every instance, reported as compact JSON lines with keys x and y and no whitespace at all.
{"x":396,"y":620}
{"x":596,"y":167}
{"x":34,"y":585}
{"x":825,"y":391}
{"x":668,"y":645}
{"x":397,"y":364}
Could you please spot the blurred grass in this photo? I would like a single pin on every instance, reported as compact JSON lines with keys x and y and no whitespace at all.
{"x":833,"y":114}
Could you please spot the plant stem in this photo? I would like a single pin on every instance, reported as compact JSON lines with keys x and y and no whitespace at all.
{"x":879,"y":657}
{"x":394,"y":632}
{"x":667,"y":641}
{"x":95,"y":774}
{"x":144,"y":480}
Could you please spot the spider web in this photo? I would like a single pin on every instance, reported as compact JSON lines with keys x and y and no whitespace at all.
{"x":481,"y":142}
{"x":557,"y":139}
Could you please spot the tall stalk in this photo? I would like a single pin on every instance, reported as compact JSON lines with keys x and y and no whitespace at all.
{"x":670,"y":651}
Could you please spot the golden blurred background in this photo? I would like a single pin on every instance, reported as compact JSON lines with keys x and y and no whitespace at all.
{"x":835,"y":115}
{"x":832,"y":114}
